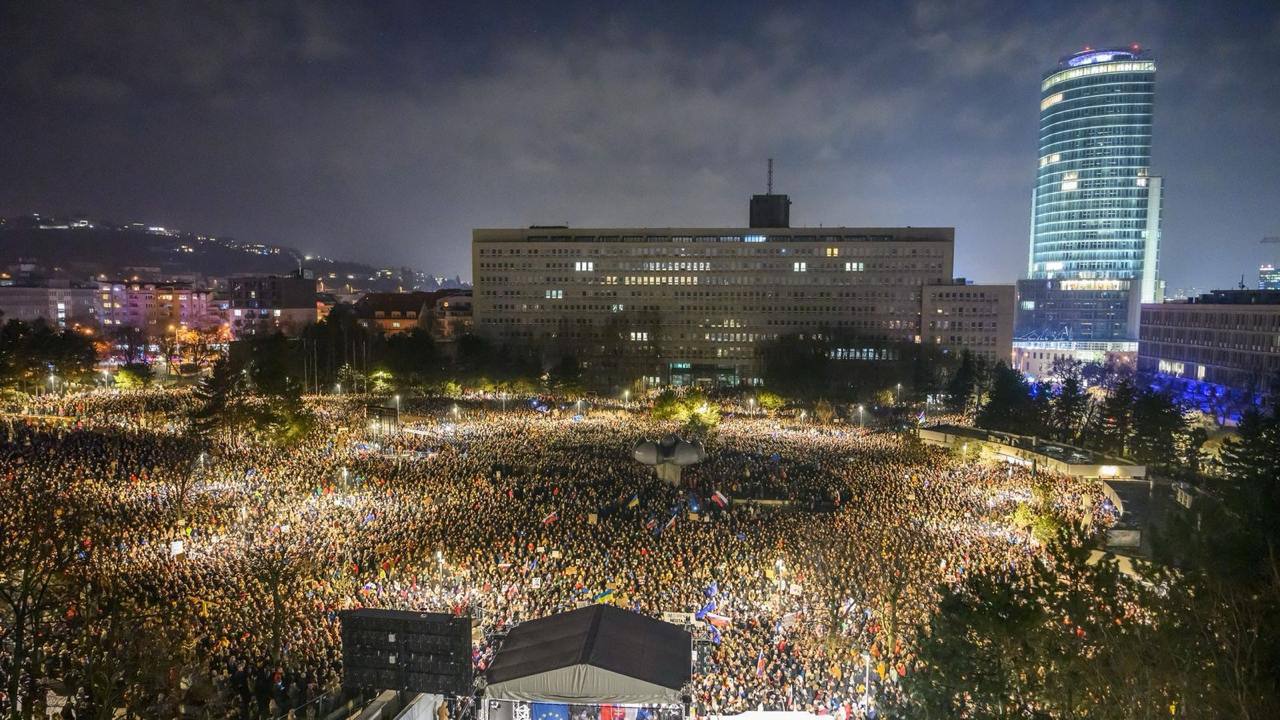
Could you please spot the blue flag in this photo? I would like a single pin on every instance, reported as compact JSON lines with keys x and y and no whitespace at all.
{"x":550,"y":711}
{"x":708,"y":608}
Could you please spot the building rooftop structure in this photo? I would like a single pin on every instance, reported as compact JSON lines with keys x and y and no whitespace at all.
{"x":563,"y":233}
{"x":1235,"y":297}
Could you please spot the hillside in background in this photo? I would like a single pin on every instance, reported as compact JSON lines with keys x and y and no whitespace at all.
{"x":82,"y":248}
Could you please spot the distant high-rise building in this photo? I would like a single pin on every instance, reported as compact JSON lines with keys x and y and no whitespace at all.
{"x":1096,"y":207}
{"x":1268,"y":277}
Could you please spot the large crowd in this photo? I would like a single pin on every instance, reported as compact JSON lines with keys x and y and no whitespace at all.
{"x":513,"y":515}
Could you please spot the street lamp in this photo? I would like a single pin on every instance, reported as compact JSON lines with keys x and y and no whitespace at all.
{"x":626,"y":397}
{"x":455,"y":411}
{"x":897,"y":394}
{"x":397,"y":411}
{"x":337,"y":388}
{"x":860,"y":423}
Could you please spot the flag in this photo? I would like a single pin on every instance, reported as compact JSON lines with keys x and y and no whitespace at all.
{"x":670,"y":523}
{"x":547,"y":521}
{"x":760,"y":664}
{"x":702,"y":611}
{"x":634,"y":501}
{"x":651,"y":524}
{"x":602,"y":595}
{"x":712,"y":589}
{"x":715,"y":635}
{"x":549,"y":711}
{"x":920,"y":418}
{"x":719,"y":498}
{"x":720,"y":621}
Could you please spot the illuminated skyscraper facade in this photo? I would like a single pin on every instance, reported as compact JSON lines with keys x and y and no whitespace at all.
{"x":1096,"y":207}
{"x":1268,"y":277}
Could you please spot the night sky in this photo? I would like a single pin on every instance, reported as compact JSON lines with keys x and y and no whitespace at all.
{"x":386,"y":134}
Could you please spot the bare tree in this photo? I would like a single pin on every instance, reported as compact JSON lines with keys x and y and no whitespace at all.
{"x":41,"y":534}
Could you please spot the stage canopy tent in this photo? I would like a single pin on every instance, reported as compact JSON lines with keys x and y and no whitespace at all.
{"x":597,"y":655}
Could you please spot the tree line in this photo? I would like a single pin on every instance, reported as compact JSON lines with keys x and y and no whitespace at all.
{"x":1195,"y":634}
{"x":1087,"y":405}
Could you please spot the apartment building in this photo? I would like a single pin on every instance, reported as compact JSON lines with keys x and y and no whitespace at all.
{"x":59,"y":303}
{"x":264,"y":305}
{"x":154,"y":308}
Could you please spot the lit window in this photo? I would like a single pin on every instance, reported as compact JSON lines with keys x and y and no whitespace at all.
{"x":1050,"y":101}
{"x":555,"y":294}
{"x":853,"y":267}
{"x":641,"y":336}
{"x":833,"y":252}
{"x":800,"y":267}
{"x":584,"y":265}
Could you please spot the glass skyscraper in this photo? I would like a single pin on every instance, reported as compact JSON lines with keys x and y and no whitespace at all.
{"x":1095,"y":219}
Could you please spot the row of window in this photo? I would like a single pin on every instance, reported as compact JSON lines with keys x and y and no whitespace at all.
{"x":773,"y":249}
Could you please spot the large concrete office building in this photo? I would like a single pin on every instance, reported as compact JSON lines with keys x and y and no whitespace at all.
{"x":1223,"y":341}
{"x":1096,"y":207}
{"x":692,"y":305}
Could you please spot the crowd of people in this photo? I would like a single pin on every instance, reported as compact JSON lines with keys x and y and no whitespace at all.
{"x":809,"y":601}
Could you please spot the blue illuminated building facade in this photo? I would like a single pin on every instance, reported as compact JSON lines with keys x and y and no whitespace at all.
{"x":1096,"y":207}
{"x":1220,"y":351}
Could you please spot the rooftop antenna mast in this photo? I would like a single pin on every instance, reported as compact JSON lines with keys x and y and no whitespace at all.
{"x":770,"y":184}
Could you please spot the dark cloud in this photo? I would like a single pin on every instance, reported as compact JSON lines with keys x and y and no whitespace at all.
{"x":387,"y":133}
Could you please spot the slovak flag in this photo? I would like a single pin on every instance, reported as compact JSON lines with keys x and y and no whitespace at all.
{"x":554,"y":516}
{"x":653,"y":523}
{"x":719,"y":621}
{"x":670,"y":523}
{"x":719,"y":498}
{"x":760,"y":664}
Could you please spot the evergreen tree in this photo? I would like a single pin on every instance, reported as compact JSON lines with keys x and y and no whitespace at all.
{"x":1250,"y":488}
{"x":1070,"y":404}
{"x":1160,"y":428}
{"x":1114,"y":421}
{"x":963,"y":385}
{"x":1009,"y":406}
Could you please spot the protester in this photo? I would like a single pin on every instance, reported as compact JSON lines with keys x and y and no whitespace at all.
{"x":808,"y":556}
